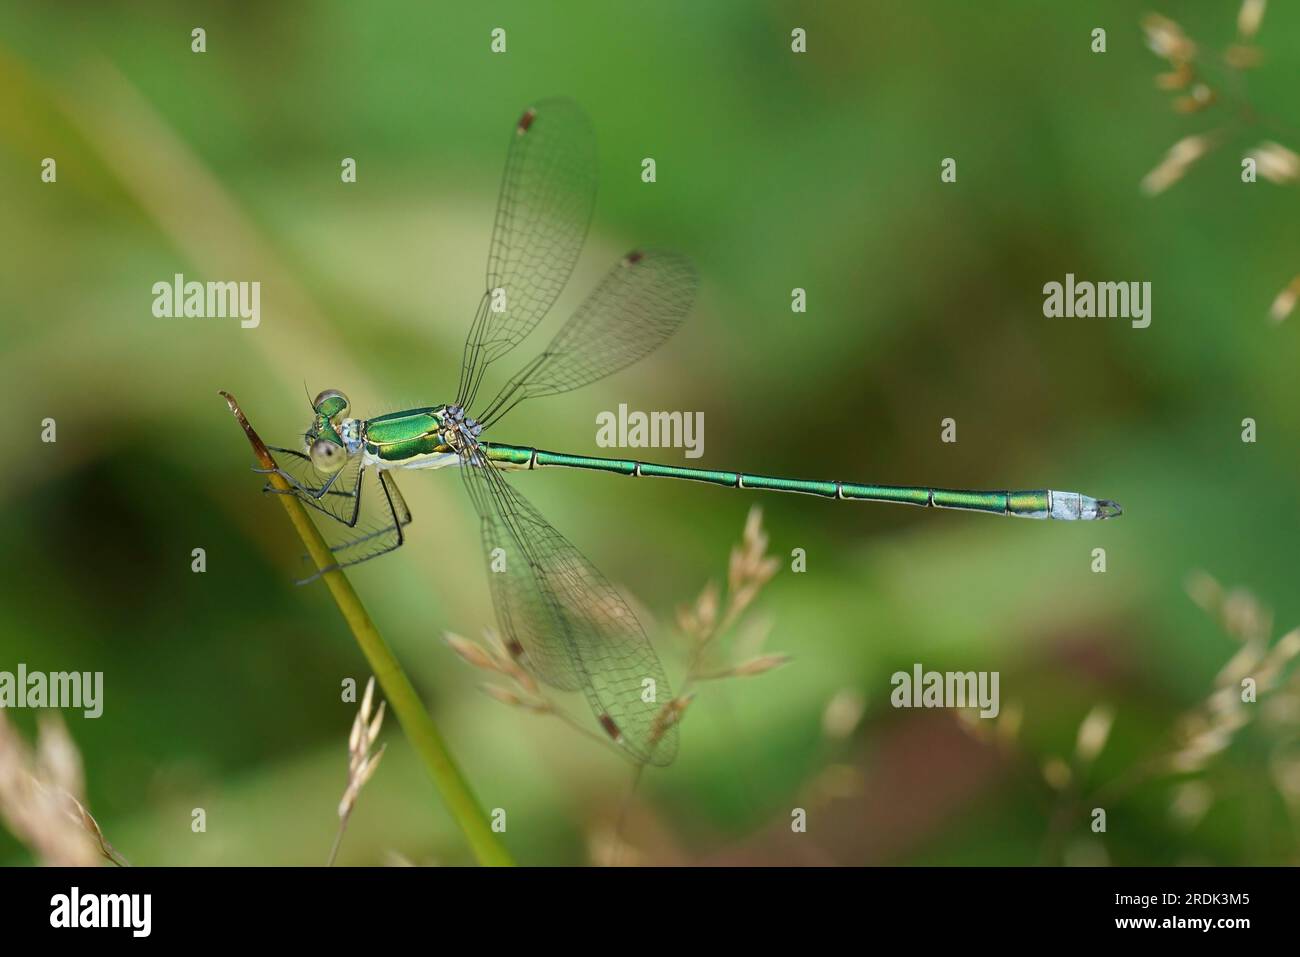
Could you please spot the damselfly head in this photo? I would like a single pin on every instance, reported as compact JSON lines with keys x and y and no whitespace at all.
{"x":331,"y":404}
{"x":329,"y":440}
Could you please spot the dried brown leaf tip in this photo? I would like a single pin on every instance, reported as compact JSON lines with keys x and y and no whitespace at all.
{"x":42,"y":797}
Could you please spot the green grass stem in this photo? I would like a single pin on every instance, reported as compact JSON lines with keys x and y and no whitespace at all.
{"x":402,"y":698}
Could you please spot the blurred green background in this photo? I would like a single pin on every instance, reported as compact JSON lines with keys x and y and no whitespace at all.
{"x":775,"y":171}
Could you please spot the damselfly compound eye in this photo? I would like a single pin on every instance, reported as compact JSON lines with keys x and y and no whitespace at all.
{"x":327,"y":456}
{"x":330,"y":403}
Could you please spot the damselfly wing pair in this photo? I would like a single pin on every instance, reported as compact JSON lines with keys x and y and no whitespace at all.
{"x":558,"y":614}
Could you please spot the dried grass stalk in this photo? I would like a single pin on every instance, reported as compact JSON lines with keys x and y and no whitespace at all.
{"x":362,"y":762}
{"x":42,"y":795}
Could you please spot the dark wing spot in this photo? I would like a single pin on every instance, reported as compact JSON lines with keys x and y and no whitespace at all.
{"x":610,"y":727}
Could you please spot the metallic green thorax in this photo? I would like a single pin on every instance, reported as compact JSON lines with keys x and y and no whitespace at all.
{"x":403,"y":435}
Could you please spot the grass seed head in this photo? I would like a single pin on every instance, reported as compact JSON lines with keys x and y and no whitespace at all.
{"x":1166,"y":39}
{"x":1009,"y":722}
{"x":1057,"y":774}
{"x":1285,"y":302}
{"x":1243,"y":56}
{"x":1249,"y":18}
{"x":750,"y":568}
{"x":1242,"y":664}
{"x":839,"y":782}
{"x":1245,"y":617}
{"x":968,"y":720}
{"x":40,"y":797}
{"x":843,"y":713}
{"x":1177,"y":161}
{"x":1201,"y":97}
{"x":515,"y":700}
{"x":1191,"y":801}
{"x":698,"y":621}
{"x":1179,"y":78}
{"x":471,"y":651}
{"x":362,"y":762}
{"x":1094,"y":730}
{"x":492,"y":655}
{"x":1204,"y":589}
{"x":760,"y":665}
{"x":1276,"y":163}
{"x":670,"y":714}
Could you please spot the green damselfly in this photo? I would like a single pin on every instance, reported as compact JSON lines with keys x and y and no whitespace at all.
{"x":559,"y":616}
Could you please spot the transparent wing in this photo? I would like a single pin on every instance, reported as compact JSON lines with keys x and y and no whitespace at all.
{"x":335,"y":495}
{"x":381,"y":519}
{"x":366,"y":510}
{"x":575,"y":630}
{"x":638,"y":305}
{"x":524,"y":608}
{"x":547,"y":196}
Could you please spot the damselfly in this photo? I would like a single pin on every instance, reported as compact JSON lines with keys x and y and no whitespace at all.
{"x":558,"y":615}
